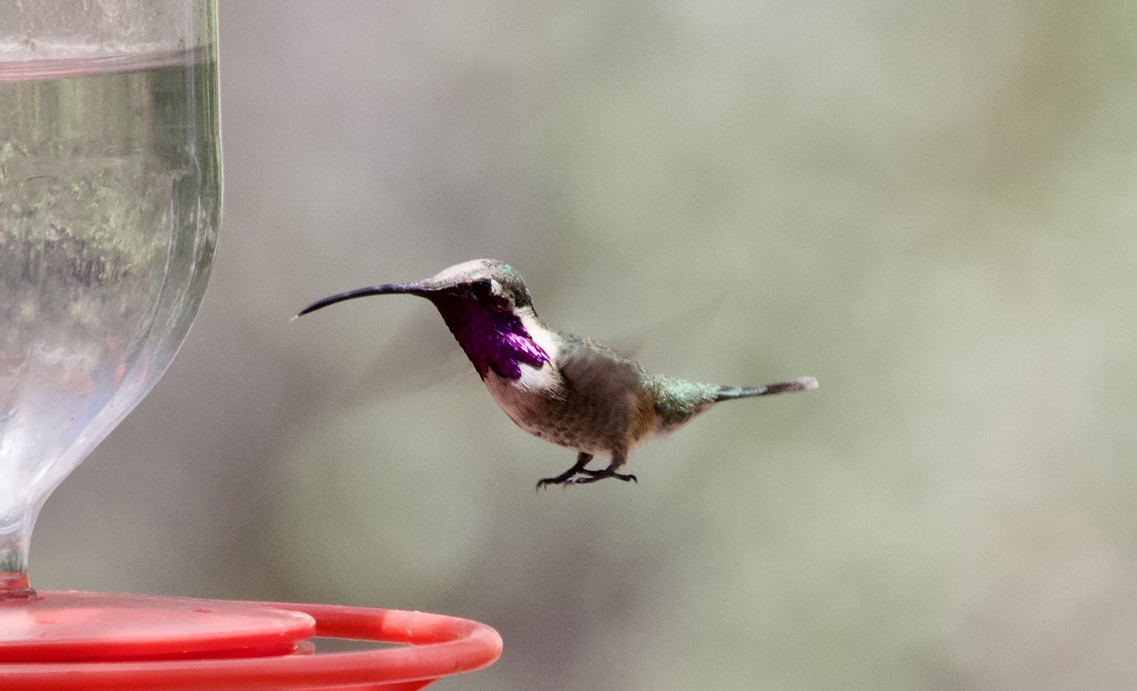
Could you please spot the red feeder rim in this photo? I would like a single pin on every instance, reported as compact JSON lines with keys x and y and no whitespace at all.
{"x":99,"y":641}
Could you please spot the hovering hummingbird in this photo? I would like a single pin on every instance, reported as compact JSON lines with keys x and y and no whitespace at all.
{"x":564,"y":389}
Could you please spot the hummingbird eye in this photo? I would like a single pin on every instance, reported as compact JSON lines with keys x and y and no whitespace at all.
{"x":482,"y":288}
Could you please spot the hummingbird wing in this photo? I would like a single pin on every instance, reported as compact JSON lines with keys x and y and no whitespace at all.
{"x":594,"y":369}
{"x":665,"y":331}
{"x":419,"y":354}
{"x":608,"y":388}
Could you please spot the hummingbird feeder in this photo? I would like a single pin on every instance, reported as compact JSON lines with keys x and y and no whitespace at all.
{"x":111,"y":170}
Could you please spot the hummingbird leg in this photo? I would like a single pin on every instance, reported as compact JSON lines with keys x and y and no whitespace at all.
{"x":618,"y":458}
{"x":567,"y":477}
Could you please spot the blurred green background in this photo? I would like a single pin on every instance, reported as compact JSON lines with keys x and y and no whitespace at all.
{"x":929,"y":206}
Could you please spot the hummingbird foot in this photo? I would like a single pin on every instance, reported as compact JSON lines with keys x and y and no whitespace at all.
{"x":594,"y":475}
{"x":583,"y":477}
{"x":579,"y":475}
{"x":566,"y":478}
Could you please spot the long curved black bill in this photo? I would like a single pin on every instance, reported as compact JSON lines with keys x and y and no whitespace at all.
{"x":409,"y":288}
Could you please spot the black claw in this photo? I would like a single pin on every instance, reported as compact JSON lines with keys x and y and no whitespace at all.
{"x":561,"y":480}
{"x":550,"y":481}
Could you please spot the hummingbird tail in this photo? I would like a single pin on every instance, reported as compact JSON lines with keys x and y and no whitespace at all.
{"x":727,"y":393}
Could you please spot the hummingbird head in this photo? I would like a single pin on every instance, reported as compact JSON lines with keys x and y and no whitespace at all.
{"x":484,"y":303}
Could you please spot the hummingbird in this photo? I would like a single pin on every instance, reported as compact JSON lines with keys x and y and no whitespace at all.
{"x":568,"y":390}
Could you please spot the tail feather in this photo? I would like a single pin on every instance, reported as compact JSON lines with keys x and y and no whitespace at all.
{"x":727,"y":393}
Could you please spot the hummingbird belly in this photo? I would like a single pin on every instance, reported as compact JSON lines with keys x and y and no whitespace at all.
{"x":566,"y":418}
{"x":542,"y":412}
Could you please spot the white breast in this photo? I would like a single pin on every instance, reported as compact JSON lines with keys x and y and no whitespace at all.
{"x":518,"y":396}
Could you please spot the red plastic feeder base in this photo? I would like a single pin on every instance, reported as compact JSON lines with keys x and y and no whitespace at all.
{"x":95,"y":640}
